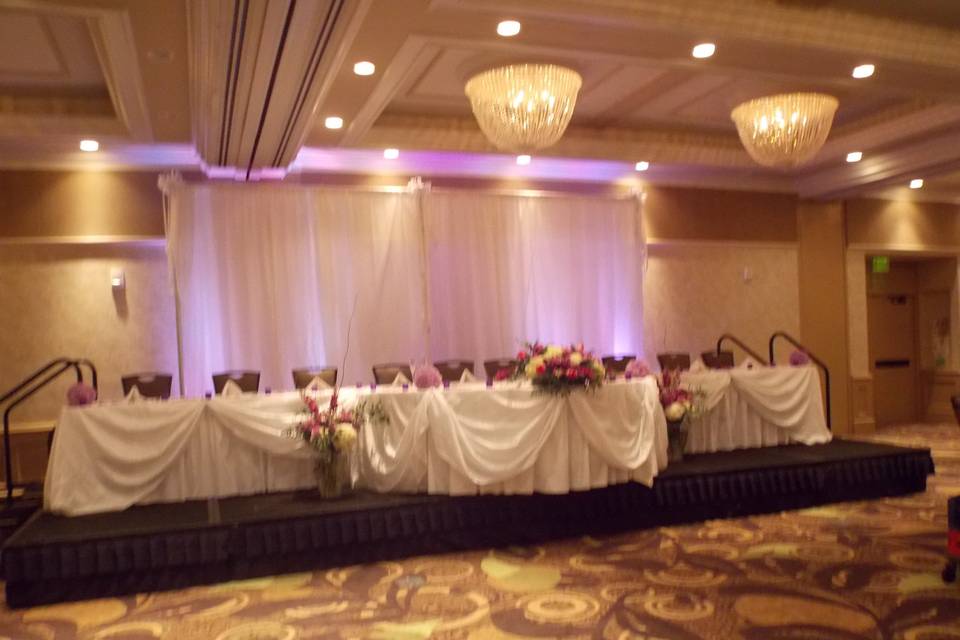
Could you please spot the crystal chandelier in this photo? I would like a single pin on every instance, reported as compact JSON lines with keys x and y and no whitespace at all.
{"x":524,"y":107}
{"x":785,"y":130}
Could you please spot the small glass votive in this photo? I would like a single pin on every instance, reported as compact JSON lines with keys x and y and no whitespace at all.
{"x":627,"y":375}
{"x":268,"y":391}
{"x":446,"y":384}
{"x":489,"y":382}
{"x":207,"y":395}
{"x":405,"y":386}
{"x":359,"y":385}
{"x":373,"y":386}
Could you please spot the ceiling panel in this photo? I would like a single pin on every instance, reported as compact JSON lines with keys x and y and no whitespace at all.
{"x":43,"y":51}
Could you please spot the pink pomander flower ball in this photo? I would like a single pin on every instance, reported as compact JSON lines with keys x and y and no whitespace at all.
{"x":637,"y":368}
{"x":799,"y":358}
{"x":426,"y":376}
{"x":80,"y":395}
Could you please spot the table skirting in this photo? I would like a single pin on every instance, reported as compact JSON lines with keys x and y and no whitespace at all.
{"x":462,"y":440}
{"x":759,"y":407}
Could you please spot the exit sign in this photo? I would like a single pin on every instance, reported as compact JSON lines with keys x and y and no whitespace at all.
{"x":881,"y":264}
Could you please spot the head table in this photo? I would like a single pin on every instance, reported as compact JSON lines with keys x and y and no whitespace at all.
{"x":466,"y":439}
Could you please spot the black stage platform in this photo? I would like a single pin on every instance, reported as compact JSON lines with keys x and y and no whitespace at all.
{"x":156,"y":547}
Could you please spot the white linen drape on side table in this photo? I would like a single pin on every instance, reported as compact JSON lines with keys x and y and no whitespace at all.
{"x":759,"y":407}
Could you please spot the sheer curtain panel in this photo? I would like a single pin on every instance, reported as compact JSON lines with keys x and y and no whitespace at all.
{"x":268,"y":276}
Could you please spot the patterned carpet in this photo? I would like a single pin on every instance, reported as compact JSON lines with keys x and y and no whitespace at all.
{"x":855,"y":570}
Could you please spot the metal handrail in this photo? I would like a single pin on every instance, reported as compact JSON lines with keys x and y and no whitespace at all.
{"x":39,"y":372}
{"x":737,"y":341}
{"x":27,"y":388}
{"x":820,"y":363}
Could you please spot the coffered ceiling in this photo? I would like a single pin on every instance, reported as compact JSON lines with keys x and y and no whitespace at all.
{"x":242,"y":85}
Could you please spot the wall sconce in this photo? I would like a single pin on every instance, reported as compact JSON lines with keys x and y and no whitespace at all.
{"x":117,"y":279}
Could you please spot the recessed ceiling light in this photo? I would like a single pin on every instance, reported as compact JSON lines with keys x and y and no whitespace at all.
{"x":523,"y":160}
{"x":704,"y":50}
{"x":333,"y":122}
{"x":364,"y":68}
{"x":916,"y":183}
{"x":855,"y":156}
{"x":391,"y":154}
{"x":508,"y":28}
{"x":643,"y":165}
{"x":863,"y":71}
{"x":89,"y":145}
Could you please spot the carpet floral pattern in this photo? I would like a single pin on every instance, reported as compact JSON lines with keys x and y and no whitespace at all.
{"x":854,"y":570}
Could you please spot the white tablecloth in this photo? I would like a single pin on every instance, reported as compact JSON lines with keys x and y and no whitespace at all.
{"x":462,"y":440}
{"x":759,"y":407}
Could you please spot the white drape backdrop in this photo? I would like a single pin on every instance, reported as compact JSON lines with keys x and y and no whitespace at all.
{"x":267,"y":276}
{"x":505,"y":268}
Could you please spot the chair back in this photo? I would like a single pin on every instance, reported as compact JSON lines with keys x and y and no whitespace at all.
{"x":673,"y":361}
{"x":955,"y":401}
{"x":452,"y":370}
{"x":617,"y":365}
{"x":717,"y":360}
{"x":303,"y":377}
{"x":150,"y":384}
{"x":387,"y":373}
{"x":248,"y":381}
{"x":491,"y":367}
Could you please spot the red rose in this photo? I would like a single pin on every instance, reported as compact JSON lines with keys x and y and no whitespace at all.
{"x":522,"y":355}
{"x":541,"y":369}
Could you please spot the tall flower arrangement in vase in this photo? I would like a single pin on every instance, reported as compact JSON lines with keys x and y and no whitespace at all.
{"x":680,"y":405}
{"x":559,"y":370}
{"x":332,"y":432}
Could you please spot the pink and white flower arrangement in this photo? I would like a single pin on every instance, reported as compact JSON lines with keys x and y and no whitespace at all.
{"x":799,"y":358}
{"x":678,"y":402}
{"x":559,"y":370}
{"x":330,"y":430}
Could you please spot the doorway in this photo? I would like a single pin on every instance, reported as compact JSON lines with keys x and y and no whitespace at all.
{"x":909,"y":335}
{"x":891,"y":319}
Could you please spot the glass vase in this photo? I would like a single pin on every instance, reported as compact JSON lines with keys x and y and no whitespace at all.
{"x":333,"y":476}
{"x":676,"y":439}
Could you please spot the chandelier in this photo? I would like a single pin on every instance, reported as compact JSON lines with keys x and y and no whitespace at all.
{"x":785,"y":130}
{"x":524,"y":107}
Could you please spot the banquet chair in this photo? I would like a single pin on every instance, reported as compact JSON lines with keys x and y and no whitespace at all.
{"x":491,"y":367}
{"x":616,"y":365}
{"x":717,"y":359}
{"x":673,"y":361}
{"x":303,"y":377}
{"x":452,"y":370}
{"x":248,"y":381}
{"x":387,"y":373}
{"x":149,"y":385}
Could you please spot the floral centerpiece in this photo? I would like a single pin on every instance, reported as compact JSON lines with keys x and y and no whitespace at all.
{"x":332,"y":432}
{"x":680,"y":405}
{"x":559,"y":370}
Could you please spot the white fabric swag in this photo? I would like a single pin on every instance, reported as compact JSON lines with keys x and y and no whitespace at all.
{"x":267,"y":276}
{"x":465,"y":439}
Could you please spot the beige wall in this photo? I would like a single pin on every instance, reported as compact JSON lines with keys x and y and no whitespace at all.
{"x":48,"y":204}
{"x":902,"y":225}
{"x":672,"y":213}
{"x":695,"y":292}
{"x":57,"y":301}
